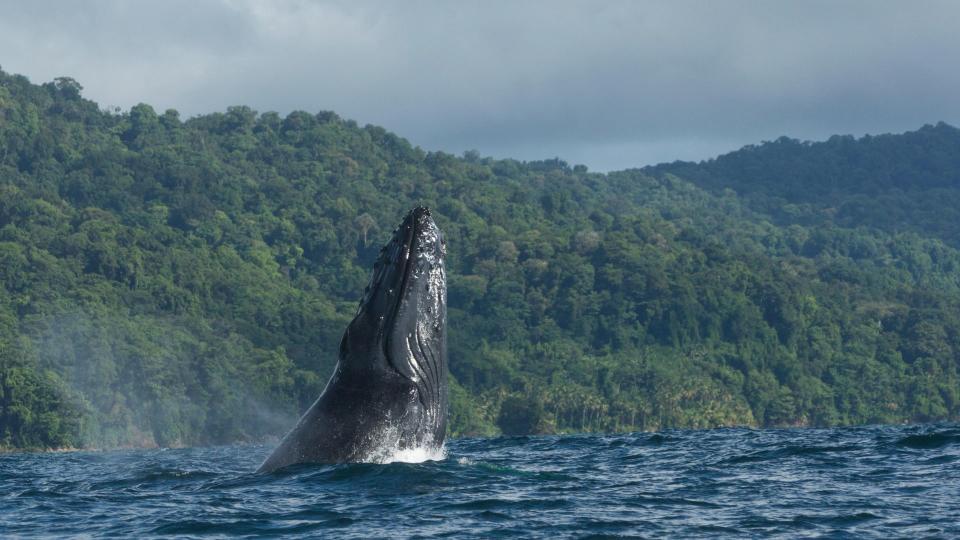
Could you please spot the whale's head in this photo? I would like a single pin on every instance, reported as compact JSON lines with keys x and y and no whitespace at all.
{"x":400,"y":328}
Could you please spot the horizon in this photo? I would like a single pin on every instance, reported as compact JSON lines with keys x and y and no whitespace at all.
{"x":609,"y":86}
{"x":721,"y":153}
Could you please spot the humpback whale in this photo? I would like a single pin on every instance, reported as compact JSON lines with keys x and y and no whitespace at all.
{"x":388,"y":391}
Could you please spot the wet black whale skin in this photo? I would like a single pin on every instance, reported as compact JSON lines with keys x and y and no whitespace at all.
{"x":389,"y":389}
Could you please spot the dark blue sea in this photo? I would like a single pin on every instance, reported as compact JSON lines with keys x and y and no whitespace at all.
{"x":879,"y":481}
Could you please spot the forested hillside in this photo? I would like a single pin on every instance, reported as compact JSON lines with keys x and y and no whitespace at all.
{"x":169,"y":281}
{"x":908,"y":182}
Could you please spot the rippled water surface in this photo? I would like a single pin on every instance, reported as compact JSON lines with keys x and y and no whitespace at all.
{"x":858,"y":482}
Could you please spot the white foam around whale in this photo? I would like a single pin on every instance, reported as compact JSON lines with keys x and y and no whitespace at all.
{"x":389,"y":451}
{"x":416,"y":455}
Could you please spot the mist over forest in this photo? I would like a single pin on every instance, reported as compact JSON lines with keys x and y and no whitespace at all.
{"x":170,"y":281}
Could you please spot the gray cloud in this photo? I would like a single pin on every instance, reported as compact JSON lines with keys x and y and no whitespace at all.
{"x":608,"y":84}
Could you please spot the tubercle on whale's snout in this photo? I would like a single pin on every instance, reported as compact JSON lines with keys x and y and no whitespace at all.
{"x":417,"y":236}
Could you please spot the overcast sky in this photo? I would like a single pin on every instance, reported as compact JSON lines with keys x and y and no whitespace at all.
{"x":607,"y":84}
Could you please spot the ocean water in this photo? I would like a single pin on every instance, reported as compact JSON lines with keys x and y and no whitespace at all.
{"x":877,"y":481}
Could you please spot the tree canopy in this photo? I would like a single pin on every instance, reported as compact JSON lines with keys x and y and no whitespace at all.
{"x":175,"y":282}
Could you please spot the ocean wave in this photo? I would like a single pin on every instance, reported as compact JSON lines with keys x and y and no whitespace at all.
{"x":876,"y":481}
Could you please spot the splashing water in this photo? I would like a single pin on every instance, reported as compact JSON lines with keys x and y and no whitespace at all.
{"x":414,"y":455}
{"x":389,"y":450}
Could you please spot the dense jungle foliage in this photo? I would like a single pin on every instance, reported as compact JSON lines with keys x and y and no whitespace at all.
{"x":178,"y":282}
